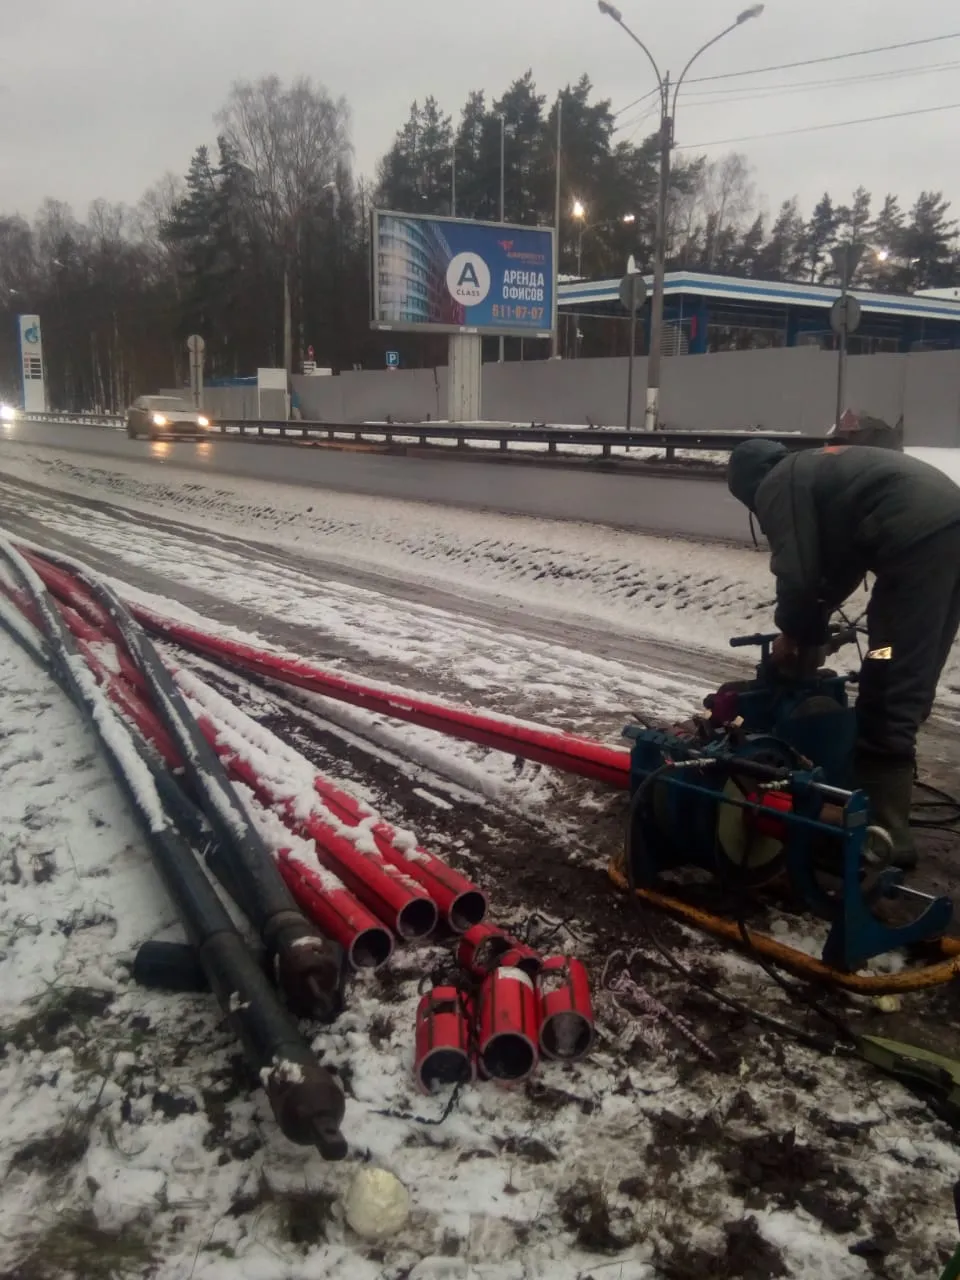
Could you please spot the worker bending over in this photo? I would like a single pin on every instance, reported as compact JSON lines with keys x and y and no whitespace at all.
{"x":831,"y":516}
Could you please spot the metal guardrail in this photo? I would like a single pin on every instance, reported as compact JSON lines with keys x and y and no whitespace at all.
{"x":600,"y":441}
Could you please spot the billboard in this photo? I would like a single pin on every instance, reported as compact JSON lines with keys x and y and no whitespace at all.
{"x":31,"y":365}
{"x":449,"y":275}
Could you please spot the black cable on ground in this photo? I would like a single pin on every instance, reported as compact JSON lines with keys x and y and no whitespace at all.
{"x":306,"y":1100}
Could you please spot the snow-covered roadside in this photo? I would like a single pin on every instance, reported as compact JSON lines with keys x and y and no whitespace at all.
{"x":683,"y":593}
{"x":133,"y":1145}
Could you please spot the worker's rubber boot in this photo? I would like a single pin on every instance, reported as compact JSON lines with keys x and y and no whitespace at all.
{"x":888,"y":783}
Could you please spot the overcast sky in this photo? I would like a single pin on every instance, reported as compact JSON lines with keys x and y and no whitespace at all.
{"x":100,"y":97}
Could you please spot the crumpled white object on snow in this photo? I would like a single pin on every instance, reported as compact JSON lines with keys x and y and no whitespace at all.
{"x":377,"y":1204}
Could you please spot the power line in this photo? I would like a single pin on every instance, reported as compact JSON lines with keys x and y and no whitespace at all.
{"x":636,"y":102}
{"x":817,"y":128}
{"x":744,"y":94}
{"x":832,"y":57}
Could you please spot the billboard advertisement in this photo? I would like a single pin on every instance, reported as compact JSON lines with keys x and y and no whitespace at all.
{"x":449,"y":275}
{"x":31,"y":365}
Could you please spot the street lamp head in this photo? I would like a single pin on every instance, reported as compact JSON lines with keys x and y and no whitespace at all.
{"x":883,"y":255}
{"x":579,"y":211}
{"x":629,"y":218}
{"x":610,"y":10}
{"x":754,"y":11}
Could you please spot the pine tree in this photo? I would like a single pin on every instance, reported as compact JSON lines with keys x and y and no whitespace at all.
{"x":928,"y":243}
{"x":819,"y":234}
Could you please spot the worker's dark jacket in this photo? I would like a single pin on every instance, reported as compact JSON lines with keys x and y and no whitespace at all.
{"x":830,"y":515}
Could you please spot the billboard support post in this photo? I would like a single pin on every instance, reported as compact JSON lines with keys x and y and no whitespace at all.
{"x":464,"y":377}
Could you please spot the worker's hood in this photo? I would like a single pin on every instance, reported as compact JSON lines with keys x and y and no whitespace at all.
{"x":750,"y":464}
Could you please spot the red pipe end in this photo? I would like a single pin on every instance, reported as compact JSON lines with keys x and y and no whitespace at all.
{"x":371,"y":948}
{"x":417,"y":919}
{"x":509,"y":1056}
{"x":445,"y":1066}
{"x":467,"y":910}
{"x":566,"y":1036}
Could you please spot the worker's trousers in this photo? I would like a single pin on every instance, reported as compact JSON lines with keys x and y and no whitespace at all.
{"x":912,"y":619}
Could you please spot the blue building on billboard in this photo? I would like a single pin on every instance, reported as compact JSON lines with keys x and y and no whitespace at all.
{"x":412,"y":258}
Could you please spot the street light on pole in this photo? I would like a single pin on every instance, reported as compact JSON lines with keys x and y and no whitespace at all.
{"x":668,"y":111}
{"x":579,"y":213}
{"x":845,"y":313}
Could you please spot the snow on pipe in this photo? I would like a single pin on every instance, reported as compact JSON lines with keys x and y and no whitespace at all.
{"x":567,"y":752}
{"x":66,"y":588}
{"x":308,"y":965}
{"x":396,"y":899}
{"x":322,"y":898}
{"x":306,"y":1100}
{"x":366,"y":942}
{"x":461,"y":903}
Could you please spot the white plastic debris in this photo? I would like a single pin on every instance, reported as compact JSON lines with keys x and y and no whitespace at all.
{"x":377,"y":1205}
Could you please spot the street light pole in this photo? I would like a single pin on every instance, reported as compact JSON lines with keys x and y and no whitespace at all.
{"x":668,"y":113}
{"x":555,"y":320}
{"x":503,"y":187}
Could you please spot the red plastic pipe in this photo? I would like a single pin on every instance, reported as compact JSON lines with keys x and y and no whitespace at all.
{"x":394,"y":898}
{"x":461,"y":903}
{"x":567,"y":752}
{"x":367,"y":943}
{"x":125,"y":696}
{"x":365,"y":940}
{"x":66,"y":588}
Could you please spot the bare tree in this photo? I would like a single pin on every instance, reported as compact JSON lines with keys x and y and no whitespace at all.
{"x":294,"y":142}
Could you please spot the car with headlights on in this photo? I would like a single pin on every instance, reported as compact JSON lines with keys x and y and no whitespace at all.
{"x":158,"y":416}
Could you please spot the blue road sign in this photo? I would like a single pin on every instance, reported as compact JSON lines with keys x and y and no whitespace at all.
{"x":393,"y":359}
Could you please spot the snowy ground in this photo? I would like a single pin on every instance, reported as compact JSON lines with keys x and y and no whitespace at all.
{"x":133,"y":1143}
{"x":135,"y":1146}
{"x":617,"y":583}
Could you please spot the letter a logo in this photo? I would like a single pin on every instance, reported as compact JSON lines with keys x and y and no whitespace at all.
{"x":468,"y":279}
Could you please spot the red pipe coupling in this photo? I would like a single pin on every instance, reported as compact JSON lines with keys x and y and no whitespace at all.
{"x":567,"y":1029}
{"x":507,"y":1026}
{"x":443,"y":1051}
{"x":484,"y":947}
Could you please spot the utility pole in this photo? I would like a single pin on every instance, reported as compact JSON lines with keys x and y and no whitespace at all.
{"x":503,"y":187}
{"x":845,"y":318}
{"x":651,"y":417}
{"x":453,"y":181}
{"x":555,"y":341}
{"x":287,"y":320}
{"x":668,"y":114}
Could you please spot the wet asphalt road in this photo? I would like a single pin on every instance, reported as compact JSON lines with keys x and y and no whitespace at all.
{"x":693,"y":507}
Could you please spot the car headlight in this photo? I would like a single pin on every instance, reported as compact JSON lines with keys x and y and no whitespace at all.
{"x":7,"y":413}
{"x":204,"y":422}
{"x":158,"y":419}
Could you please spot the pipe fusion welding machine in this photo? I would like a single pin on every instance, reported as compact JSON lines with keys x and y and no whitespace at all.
{"x":760,"y":789}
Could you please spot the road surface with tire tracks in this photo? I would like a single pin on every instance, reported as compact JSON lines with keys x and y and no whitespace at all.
{"x":694,"y":507}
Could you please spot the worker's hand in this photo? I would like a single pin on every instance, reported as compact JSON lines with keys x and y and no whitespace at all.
{"x":784,"y":653}
{"x":795,"y":660}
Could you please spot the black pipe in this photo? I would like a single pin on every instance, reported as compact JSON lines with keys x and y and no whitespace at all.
{"x":309,"y":966}
{"x":306,"y":1100}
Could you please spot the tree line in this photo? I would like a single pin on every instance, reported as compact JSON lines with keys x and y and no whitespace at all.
{"x":262,"y":246}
